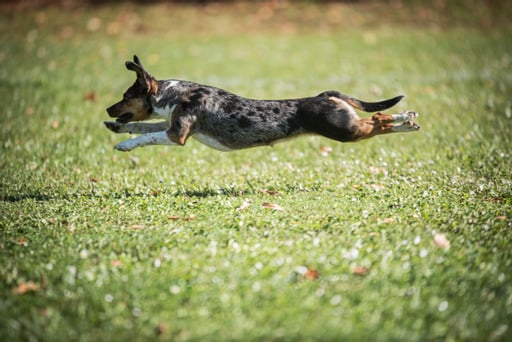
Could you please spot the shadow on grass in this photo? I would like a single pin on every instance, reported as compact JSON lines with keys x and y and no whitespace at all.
{"x":123,"y":194}
{"x":23,"y":197}
{"x":204,"y":192}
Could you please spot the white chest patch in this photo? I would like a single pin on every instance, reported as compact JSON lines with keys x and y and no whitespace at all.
{"x":211,"y":142}
{"x":165,"y":113}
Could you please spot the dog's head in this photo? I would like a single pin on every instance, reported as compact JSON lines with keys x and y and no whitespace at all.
{"x":136,"y":102}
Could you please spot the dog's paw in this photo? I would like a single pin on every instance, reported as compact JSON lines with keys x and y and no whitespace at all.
{"x":116,"y":127}
{"x":125,"y":146}
{"x":410,"y":115}
{"x":405,"y":116}
{"x":407,"y":126}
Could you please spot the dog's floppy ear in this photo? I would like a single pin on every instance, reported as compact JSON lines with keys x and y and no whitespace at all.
{"x":144,"y":77}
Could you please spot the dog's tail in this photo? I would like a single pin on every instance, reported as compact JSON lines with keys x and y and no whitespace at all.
{"x":373,"y":106}
{"x":365,"y":106}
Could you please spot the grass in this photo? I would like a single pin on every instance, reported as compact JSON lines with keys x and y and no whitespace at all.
{"x":191,"y":244}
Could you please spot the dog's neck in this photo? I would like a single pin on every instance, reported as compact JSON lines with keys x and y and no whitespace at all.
{"x":162,"y":103}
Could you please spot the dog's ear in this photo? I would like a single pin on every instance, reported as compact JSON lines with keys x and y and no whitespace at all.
{"x":143,"y":77}
{"x":136,"y":60}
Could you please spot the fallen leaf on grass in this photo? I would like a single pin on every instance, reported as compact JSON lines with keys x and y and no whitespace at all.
{"x":180,"y":218}
{"x":441,"y":241}
{"x":30,"y":111}
{"x":307,"y":273}
{"x":136,"y":227}
{"x":311,"y":274}
{"x":245,"y":205}
{"x":161,"y":329}
{"x":116,"y":263}
{"x":388,"y":220}
{"x":501,"y":218}
{"x":325,"y":150}
{"x":269,"y":192}
{"x":26,"y":287}
{"x":272,"y":206}
{"x":378,"y":187}
{"x":90,"y":96}
{"x":360,"y":270}
{"x":23,"y":242}
{"x":55,"y":124}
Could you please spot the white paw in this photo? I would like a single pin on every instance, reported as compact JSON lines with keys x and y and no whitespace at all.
{"x":125,"y":146}
{"x":405,"y":116}
{"x":411,"y":115}
{"x":407,"y":126}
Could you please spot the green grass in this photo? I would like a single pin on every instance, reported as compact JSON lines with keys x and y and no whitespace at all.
{"x":153,"y":244}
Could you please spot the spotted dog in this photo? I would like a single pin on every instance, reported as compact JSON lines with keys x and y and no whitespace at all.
{"x":225,"y":121}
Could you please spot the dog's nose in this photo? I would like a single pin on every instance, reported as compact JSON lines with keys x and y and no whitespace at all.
{"x":111,"y":111}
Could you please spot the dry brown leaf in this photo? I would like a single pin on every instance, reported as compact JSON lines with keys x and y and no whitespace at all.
{"x":178,"y":218}
{"x":377,"y":187}
{"x":501,"y":218}
{"x":90,"y":96}
{"x":55,"y":124}
{"x":441,"y":241}
{"x":246,"y":204}
{"x":360,"y":270}
{"x":325,"y":150}
{"x":307,"y":273}
{"x":272,"y":206}
{"x":30,"y":111}
{"x":191,"y":217}
{"x":136,"y":227}
{"x":311,"y":274}
{"x":161,"y":329}
{"x":269,"y":192}
{"x":388,"y":220}
{"x":26,"y":287}
{"x":116,"y":263}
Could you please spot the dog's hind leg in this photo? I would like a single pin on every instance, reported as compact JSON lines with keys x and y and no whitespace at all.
{"x":384,"y":124}
{"x":155,"y":138}
{"x":137,"y":127}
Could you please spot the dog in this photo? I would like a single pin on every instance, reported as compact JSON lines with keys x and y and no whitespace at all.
{"x":226,"y":122}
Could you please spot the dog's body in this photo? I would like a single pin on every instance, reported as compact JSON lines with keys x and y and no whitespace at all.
{"x":225,"y":121}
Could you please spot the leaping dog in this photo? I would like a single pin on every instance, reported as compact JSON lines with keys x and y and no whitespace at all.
{"x":225,"y":121}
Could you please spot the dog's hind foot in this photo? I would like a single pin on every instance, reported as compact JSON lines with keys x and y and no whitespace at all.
{"x":405,"y":116}
{"x":407,"y":126}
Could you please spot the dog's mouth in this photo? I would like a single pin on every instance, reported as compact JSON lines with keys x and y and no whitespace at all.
{"x":125,"y":118}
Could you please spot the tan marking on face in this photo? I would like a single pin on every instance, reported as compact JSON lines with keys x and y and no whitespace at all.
{"x":137,"y":108}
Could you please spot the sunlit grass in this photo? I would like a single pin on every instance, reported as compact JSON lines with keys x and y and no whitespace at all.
{"x":190,"y":243}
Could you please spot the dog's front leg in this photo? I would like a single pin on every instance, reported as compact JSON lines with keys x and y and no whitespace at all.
{"x":155,"y":138}
{"x":136,"y":127}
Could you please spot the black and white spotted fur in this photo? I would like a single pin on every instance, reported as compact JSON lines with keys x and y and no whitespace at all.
{"x":226,"y":121}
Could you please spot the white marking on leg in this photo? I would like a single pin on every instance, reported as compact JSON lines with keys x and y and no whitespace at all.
{"x":405,"y":116}
{"x":211,"y":142}
{"x":157,"y":138}
{"x":407,"y":126}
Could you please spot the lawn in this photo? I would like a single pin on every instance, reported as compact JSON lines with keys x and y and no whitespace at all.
{"x":401,"y":237}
